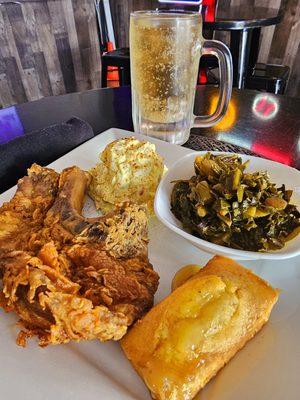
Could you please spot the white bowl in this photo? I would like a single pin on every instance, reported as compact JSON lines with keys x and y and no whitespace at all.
{"x":184,"y":169}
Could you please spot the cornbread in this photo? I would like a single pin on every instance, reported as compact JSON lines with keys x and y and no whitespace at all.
{"x":129,"y":170}
{"x":198,"y":328}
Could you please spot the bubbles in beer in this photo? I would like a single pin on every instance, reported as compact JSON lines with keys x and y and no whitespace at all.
{"x":164,"y":67}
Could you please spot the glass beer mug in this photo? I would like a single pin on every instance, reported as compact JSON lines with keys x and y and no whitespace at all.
{"x":165,"y":50}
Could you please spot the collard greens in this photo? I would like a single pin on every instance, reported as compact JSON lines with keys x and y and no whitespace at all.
{"x":225,"y":205}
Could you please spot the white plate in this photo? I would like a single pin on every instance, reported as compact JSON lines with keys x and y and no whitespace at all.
{"x":184,"y":169}
{"x":267,"y":368}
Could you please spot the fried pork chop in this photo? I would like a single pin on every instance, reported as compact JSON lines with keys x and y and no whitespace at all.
{"x":68,"y":277}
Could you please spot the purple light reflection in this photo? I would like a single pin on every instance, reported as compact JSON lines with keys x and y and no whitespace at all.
{"x":10,"y":124}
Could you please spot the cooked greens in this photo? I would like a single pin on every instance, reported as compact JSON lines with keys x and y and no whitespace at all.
{"x":225,"y":205}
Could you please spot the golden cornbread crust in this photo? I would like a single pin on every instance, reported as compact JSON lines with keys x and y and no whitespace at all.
{"x":182,"y":342}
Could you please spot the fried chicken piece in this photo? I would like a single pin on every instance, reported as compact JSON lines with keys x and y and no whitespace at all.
{"x":68,"y":277}
{"x":125,"y":285}
{"x":22,"y":217}
{"x":123,"y":233}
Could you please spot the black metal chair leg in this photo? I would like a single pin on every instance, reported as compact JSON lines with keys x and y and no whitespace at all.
{"x":235,"y":50}
{"x":104,"y":75}
{"x":240,"y":47}
{"x":121,"y":76}
{"x":124,"y":76}
{"x":254,"y":48}
{"x":127,"y":80}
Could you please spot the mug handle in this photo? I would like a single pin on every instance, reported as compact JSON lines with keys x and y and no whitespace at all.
{"x":222,"y":52}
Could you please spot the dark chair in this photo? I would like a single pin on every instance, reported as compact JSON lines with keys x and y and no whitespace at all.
{"x":117,"y":58}
{"x":268,"y":77}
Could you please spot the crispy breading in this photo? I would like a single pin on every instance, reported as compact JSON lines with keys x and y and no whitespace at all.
{"x":67,"y":277}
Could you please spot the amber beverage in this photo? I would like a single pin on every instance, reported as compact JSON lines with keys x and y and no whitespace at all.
{"x":165,"y":50}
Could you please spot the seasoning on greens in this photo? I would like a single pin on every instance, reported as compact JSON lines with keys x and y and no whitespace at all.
{"x":225,"y":205}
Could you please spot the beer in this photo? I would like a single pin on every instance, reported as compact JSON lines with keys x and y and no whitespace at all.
{"x":165,"y":48}
{"x":164,"y":66}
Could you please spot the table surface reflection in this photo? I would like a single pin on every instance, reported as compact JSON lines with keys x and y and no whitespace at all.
{"x":265,"y":123}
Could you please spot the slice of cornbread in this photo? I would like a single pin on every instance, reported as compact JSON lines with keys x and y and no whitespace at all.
{"x":182,"y":342}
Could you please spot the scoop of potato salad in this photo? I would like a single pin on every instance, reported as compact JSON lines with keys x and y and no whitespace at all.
{"x":129,"y":170}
